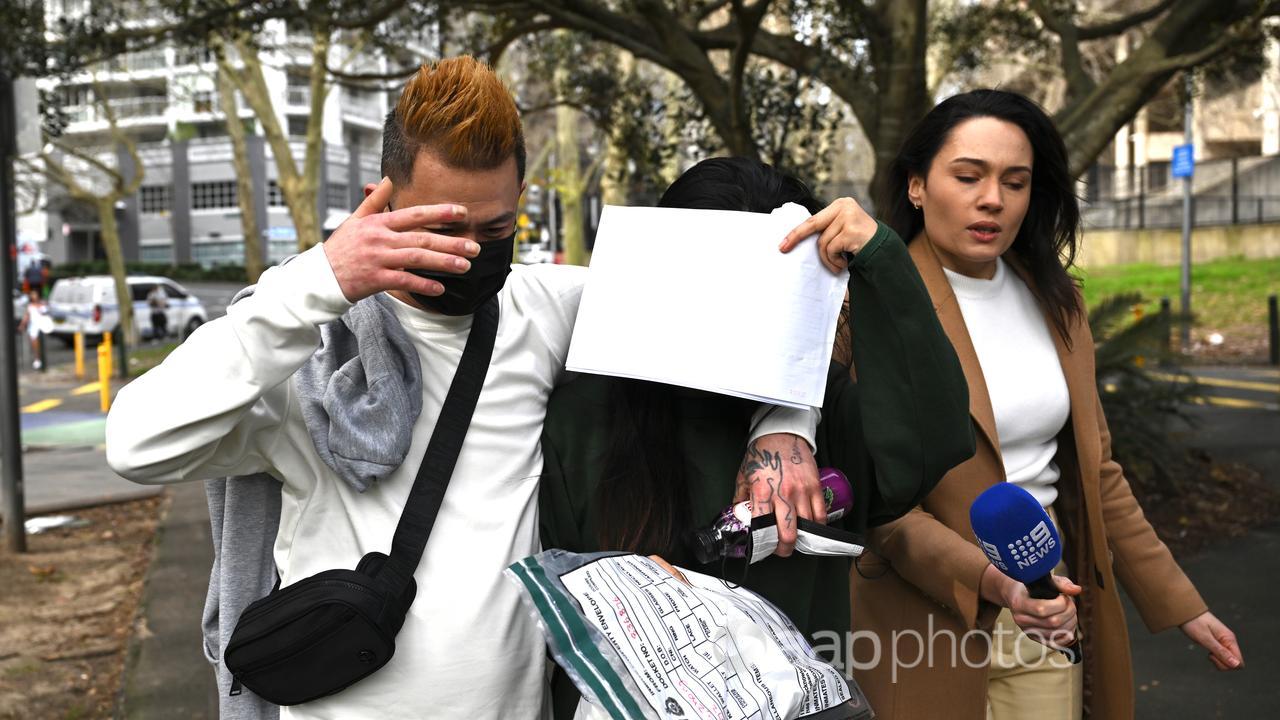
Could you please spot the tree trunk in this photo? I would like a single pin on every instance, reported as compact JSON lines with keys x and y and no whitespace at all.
{"x":901,"y":74}
{"x":298,"y":188}
{"x":106,"y":206}
{"x":613,"y":181}
{"x":569,"y":184}
{"x":308,"y":188}
{"x":253,"y":263}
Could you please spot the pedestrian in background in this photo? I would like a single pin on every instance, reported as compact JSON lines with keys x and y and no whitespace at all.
{"x":34,"y":322}
{"x":158,"y":302}
{"x":982,"y":193}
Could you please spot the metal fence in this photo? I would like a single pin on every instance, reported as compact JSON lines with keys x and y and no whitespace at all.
{"x":1230,"y":191}
{"x":1140,"y":212}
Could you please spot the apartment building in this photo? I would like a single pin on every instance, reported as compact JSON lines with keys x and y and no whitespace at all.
{"x":186,"y":210}
{"x":1235,"y":130}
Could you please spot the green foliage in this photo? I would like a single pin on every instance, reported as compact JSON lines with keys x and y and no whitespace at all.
{"x":792,"y":119}
{"x":1140,"y":408}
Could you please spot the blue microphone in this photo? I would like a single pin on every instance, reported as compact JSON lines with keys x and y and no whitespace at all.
{"x":1020,"y":540}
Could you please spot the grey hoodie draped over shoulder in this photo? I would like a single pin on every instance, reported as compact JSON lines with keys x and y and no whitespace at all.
{"x":360,"y":395}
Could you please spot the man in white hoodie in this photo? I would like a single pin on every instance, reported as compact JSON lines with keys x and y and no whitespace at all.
{"x":432,"y":242}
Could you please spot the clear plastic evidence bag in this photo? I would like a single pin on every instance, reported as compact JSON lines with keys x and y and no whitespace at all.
{"x":639,"y":643}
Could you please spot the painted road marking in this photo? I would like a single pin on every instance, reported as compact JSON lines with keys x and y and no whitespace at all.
{"x":86,"y":389}
{"x":41,"y":406}
{"x":1237,"y":403}
{"x":1219,"y":382}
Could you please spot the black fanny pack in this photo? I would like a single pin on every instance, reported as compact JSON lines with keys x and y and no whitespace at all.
{"x":328,"y":631}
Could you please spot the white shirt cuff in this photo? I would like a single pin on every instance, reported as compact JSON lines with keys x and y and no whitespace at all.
{"x":770,"y":419}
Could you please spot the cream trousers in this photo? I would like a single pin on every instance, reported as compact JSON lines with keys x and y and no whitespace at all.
{"x":1030,"y":680}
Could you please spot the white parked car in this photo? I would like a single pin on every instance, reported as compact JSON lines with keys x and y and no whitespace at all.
{"x":88,"y":305}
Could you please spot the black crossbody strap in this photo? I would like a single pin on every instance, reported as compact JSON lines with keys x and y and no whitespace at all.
{"x":424,"y":501}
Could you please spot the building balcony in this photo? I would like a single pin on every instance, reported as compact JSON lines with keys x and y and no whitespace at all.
{"x":147,"y":108}
{"x":143,"y":61}
{"x":365,"y":111}
{"x":139,"y":107}
{"x":298,"y":96}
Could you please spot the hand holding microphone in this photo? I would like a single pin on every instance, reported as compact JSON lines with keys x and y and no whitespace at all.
{"x":1022,"y":543}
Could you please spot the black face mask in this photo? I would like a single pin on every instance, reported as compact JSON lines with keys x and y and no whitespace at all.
{"x":464,"y":293}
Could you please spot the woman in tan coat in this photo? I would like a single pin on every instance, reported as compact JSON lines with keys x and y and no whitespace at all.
{"x":982,"y":192}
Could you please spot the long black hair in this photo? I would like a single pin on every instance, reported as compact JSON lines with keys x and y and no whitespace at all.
{"x":642,"y":501}
{"x":1046,"y":243}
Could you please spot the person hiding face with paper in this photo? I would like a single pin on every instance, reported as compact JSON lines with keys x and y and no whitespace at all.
{"x":638,"y":466}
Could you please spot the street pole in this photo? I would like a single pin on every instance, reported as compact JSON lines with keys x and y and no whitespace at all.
{"x":10,"y":432}
{"x":1186,"y":223}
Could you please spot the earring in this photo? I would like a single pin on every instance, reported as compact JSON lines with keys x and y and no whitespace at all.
{"x":915,"y":205}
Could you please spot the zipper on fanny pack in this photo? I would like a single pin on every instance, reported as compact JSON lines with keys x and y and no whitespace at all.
{"x":236,"y":688}
{"x":272,"y":602}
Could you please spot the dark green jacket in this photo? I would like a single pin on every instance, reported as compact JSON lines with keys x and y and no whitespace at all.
{"x":894,"y":433}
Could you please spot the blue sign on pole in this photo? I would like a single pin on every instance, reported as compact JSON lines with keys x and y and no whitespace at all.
{"x":1184,"y":162}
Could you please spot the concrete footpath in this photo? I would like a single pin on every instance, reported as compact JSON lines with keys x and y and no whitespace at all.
{"x":1238,"y":420}
{"x":167,"y":675}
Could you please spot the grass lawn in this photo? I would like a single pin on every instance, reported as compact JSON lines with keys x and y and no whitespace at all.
{"x":1227,"y":296}
{"x":148,"y":356}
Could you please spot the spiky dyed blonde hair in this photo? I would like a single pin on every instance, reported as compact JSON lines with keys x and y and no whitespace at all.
{"x":458,"y":109}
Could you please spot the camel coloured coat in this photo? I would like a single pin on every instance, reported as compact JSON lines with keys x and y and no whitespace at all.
{"x":926,"y":566}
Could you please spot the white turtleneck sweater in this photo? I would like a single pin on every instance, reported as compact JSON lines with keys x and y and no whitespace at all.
{"x":1024,"y":377}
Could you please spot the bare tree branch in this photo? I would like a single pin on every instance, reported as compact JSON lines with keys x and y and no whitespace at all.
{"x":112,"y":174}
{"x":710,"y":10}
{"x":496,"y":49}
{"x":1210,"y":51}
{"x":748,"y":21}
{"x":1078,"y":81}
{"x":1115,"y":27}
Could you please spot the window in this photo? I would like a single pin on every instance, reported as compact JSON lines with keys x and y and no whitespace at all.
{"x":297,"y":126}
{"x":75,"y":95}
{"x":155,"y":199}
{"x":173,"y":292}
{"x":278,"y":250}
{"x":1157,"y":176}
{"x":336,"y":195}
{"x":275,"y":196}
{"x":161,"y":253}
{"x":194,"y":56}
{"x":213,"y":195}
{"x":218,"y":253}
{"x":140,"y":291}
{"x":202,"y":101}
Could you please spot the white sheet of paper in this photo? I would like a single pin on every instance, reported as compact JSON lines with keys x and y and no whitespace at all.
{"x":704,"y":299}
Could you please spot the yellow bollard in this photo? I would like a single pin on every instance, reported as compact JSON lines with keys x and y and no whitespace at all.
{"x":104,"y":376}
{"x":106,"y":339}
{"x":79,"y":345}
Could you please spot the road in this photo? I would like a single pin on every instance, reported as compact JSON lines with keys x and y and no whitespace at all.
{"x":215,"y":296}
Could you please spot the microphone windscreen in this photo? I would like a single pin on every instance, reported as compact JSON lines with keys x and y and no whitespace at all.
{"x":1015,"y":532}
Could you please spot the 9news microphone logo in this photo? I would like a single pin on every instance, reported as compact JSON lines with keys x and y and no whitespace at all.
{"x":1025,"y":551}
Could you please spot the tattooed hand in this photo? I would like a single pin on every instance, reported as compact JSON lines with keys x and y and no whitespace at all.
{"x":778,"y":475}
